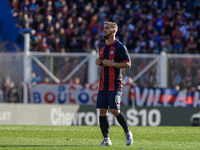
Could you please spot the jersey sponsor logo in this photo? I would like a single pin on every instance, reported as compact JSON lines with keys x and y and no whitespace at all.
{"x":111,"y":52}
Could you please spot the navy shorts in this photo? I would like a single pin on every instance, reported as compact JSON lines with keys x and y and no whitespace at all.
{"x":109,"y":99}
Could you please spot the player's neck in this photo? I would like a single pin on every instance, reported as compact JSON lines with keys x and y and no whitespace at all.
{"x":110,"y":40}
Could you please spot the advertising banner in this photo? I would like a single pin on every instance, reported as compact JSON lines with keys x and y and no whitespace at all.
{"x":69,"y":94}
{"x":143,"y":96}
{"x":77,"y":115}
{"x":166,"y":97}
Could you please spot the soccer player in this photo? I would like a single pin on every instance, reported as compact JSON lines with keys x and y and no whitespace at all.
{"x":113,"y":56}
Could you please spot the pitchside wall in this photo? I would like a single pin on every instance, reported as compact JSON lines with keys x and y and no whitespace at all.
{"x":34,"y":114}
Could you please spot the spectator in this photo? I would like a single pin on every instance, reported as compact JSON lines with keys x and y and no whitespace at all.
{"x":177,"y":38}
{"x":177,"y":78}
{"x":197,"y":78}
{"x":188,"y":79}
{"x":184,"y":27}
{"x":48,"y":22}
{"x":192,"y":45}
{"x":63,"y":38}
{"x":33,"y":6}
{"x":198,"y":46}
{"x":134,"y":17}
{"x":144,"y":78}
{"x":50,"y":35}
{"x":166,"y":45}
{"x":57,"y":44}
{"x":15,"y":5}
{"x":33,"y":40}
{"x":153,"y":77}
{"x":8,"y":84}
{"x":169,"y":28}
{"x":13,"y":96}
{"x":177,"y":88}
{"x":159,"y":22}
{"x":46,"y":80}
{"x":191,"y":30}
{"x":25,"y":29}
{"x":41,"y":44}
{"x":137,"y":48}
{"x":34,"y":79}
{"x":75,"y":45}
{"x":40,"y":30}
{"x":25,"y":5}
{"x":77,"y":81}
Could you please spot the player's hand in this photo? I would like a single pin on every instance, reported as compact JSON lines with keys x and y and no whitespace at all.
{"x":107,"y":63}
{"x":98,"y":62}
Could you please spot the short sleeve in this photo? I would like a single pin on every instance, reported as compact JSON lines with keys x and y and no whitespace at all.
{"x":124,"y":55}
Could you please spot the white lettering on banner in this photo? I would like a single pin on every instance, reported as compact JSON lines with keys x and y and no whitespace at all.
{"x":196,"y":99}
{"x":69,"y":117}
{"x":80,"y":116}
{"x":141,"y":101}
{"x":58,"y":117}
{"x":134,"y":117}
{"x":148,"y":94}
{"x":167,"y":93}
{"x":5,"y":116}
{"x":180,"y":100}
{"x":75,"y":119}
{"x":53,"y":115}
{"x":133,"y":120}
{"x":156,"y":100}
{"x":143,"y":115}
{"x":150,"y":97}
{"x":131,"y":117}
{"x":157,"y":114}
{"x":90,"y":119}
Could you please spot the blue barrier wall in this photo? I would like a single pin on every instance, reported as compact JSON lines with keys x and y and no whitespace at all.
{"x":8,"y":31}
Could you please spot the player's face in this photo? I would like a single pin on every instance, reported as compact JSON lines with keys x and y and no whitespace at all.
{"x":108,"y":31}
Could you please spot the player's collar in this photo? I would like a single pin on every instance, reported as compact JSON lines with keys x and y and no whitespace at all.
{"x":111,"y":43}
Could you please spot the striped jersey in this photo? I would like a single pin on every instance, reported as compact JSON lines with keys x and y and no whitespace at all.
{"x":111,"y":77}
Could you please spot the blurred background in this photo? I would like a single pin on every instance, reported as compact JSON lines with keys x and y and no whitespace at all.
{"x":55,"y":42}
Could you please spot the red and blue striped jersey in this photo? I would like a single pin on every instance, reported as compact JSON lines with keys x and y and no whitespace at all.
{"x":111,"y":77}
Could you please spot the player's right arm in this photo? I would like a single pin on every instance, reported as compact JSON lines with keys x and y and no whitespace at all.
{"x":98,"y":62}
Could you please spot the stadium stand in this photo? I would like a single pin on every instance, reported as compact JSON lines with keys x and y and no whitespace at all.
{"x":144,"y":26}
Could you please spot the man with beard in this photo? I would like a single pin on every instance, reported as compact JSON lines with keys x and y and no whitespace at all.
{"x":113,"y":56}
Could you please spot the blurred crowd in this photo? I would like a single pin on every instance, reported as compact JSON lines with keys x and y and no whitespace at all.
{"x":145,"y":26}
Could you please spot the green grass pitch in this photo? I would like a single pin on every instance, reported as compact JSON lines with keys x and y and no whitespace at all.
{"x":89,"y":137}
